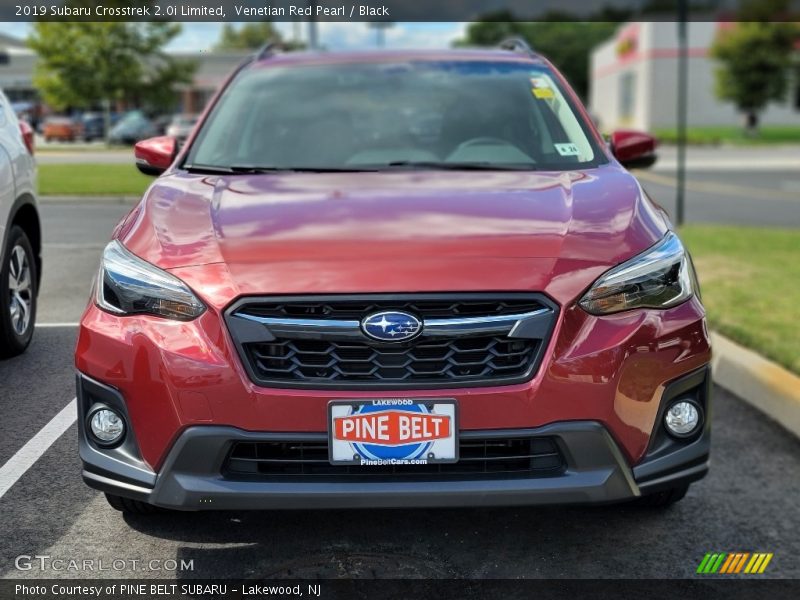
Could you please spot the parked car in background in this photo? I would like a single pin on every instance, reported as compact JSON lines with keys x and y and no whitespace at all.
{"x":181,"y":126}
{"x":30,"y":112}
{"x":62,"y":129}
{"x":20,"y":233}
{"x":434,"y":284}
{"x":161,"y":123}
{"x":94,"y":126}
{"x":133,"y":127}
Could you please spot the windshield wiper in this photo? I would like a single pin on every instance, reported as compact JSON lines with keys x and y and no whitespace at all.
{"x":233,"y":169}
{"x":248,"y":169}
{"x":210,"y":169}
{"x":460,"y":166}
{"x":371,"y":168}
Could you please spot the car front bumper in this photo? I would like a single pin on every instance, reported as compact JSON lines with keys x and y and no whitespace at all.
{"x":192,"y":476}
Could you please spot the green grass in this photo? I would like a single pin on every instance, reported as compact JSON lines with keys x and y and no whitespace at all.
{"x":749,"y":280}
{"x":768,"y":134}
{"x":91,"y":180}
{"x":81,"y":147}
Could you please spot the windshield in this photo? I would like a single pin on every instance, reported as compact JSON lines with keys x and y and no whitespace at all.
{"x":374,"y":116}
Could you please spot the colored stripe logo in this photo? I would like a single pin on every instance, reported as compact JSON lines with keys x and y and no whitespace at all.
{"x":734,"y":562}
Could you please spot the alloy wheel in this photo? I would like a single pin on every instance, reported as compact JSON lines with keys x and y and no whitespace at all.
{"x":20,"y":289}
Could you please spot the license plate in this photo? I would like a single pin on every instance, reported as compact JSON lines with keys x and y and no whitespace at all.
{"x":392,"y":431}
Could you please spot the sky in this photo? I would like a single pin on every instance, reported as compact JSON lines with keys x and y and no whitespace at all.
{"x":332,"y":35}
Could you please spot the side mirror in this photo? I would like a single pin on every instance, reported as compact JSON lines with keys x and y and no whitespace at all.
{"x":634,"y":149}
{"x":155,"y":155}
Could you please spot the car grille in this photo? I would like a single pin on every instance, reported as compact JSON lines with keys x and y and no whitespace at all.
{"x":479,"y":458}
{"x":316,"y":342}
{"x":457,"y":360}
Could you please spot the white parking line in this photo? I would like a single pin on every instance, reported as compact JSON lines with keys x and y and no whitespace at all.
{"x":52,"y":325}
{"x":27,"y":456}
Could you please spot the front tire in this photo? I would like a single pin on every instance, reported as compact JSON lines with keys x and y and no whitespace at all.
{"x":131,"y":507}
{"x":18,"y":281}
{"x":664,"y":498}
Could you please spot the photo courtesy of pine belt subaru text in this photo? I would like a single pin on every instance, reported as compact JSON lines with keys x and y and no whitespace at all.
{"x":394,"y":279}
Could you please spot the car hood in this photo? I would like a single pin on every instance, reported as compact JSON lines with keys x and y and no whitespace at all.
{"x":400,"y":231}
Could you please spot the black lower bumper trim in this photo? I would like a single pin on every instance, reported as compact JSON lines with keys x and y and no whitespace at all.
{"x":191,"y":478}
{"x":672,"y":462}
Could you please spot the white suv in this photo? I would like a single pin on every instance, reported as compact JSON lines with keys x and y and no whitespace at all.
{"x":20,"y":233}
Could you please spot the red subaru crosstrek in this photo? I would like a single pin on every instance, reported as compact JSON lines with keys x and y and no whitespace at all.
{"x":390,"y":280}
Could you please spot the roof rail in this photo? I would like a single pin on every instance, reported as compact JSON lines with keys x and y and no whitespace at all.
{"x":516,"y":44}
{"x":268,"y":50}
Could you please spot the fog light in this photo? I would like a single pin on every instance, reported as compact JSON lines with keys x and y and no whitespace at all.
{"x":682,"y":418}
{"x":107,"y":426}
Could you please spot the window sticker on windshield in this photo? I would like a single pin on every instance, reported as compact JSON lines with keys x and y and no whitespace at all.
{"x":567,"y":149}
{"x":541,"y":89}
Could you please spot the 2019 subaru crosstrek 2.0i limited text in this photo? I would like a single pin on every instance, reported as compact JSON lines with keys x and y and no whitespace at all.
{"x":393,"y":280}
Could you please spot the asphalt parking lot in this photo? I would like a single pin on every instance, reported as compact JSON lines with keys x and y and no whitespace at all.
{"x":757,"y":198}
{"x":747,"y":503}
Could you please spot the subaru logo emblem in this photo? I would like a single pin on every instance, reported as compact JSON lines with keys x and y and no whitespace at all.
{"x":391,"y":326}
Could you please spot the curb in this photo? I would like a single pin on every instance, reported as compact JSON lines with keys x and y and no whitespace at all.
{"x":761,"y":383}
{"x":88,"y":199}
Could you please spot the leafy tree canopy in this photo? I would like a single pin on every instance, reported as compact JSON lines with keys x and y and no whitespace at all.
{"x":251,"y":36}
{"x":83,"y":64}
{"x":755,"y":58}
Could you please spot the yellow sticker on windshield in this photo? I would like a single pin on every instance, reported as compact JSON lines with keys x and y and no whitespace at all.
{"x":543,"y":93}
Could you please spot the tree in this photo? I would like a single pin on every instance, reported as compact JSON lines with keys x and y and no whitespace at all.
{"x":754,"y":62}
{"x":251,"y":36}
{"x":566,"y":43}
{"x":85,"y":65}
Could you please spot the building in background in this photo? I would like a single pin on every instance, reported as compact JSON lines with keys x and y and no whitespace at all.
{"x":16,"y":69}
{"x":634,"y":79}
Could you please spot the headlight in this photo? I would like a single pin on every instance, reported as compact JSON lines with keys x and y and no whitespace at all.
{"x":660,"y":277}
{"x":127,"y":285}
